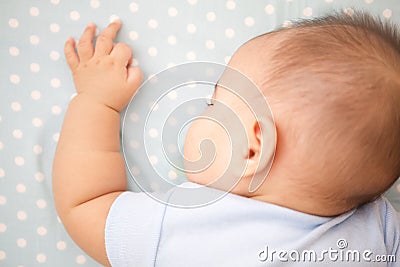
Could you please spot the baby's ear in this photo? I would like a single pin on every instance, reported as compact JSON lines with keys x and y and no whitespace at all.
{"x":261,"y":152}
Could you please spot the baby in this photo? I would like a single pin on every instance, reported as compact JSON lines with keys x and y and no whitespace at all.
{"x":333,"y":85}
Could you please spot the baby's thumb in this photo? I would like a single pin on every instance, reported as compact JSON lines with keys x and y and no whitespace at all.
{"x":135,"y":77}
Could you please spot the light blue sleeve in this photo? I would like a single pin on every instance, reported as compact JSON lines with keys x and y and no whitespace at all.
{"x":132,"y":230}
{"x":392,"y":230}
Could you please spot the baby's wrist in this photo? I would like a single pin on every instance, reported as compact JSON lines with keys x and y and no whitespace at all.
{"x":89,"y":101}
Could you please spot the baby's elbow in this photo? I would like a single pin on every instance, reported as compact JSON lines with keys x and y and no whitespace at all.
{"x":60,"y":189}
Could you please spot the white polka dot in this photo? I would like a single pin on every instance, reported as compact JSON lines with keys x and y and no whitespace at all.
{"x":172,"y":12}
{"x":210,"y":16}
{"x":155,"y":186}
{"x":61,"y":245}
{"x":74,"y":15}
{"x":56,"y":136}
{"x":54,"y":55}
{"x":192,"y":2}
{"x":13,"y":51}
{"x":153,"y":160}
{"x":21,"y":215}
{"x":135,"y":170}
{"x":56,"y":110}
{"x":307,"y":11}
{"x":35,"y":67}
{"x":172,"y":121}
{"x":348,"y":11}
{"x":3,"y":255}
{"x":230,"y":5}
{"x":113,"y":18}
{"x":94,"y":3}
{"x":2,"y":172}
{"x":34,"y":11}
{"x":37,"y":149}
{"x":133,"y":7}
{"x":35,"y":94}
{"x":134,"y":117}
{"x":1,"y":145}
{"x":41,"y":203}
{"x":17,"y":134}
{"x":153,"y":133}
{"x":13,"y":23}
{"x":170,"y":65}
{"x":152,"y":23}
{"x":73,"y":95}
{"x":54,"y":27}
{"x":55,"y":83}
{"x":58,"y":219}
{"x":21,"y":188}
{"x":134,"y":144}
{"x":55,"y":2}
{"x":172,"y":148}
{"x":191,"y":55}
{"x":41,"y":258}
{"x":229,"y":33}
{"x":210,"y":44}
{"x":153,"y":79}
{"x":249,"y":21}
{"x":21,"y":242}
{"x":3,"y":200}
{"x":14,"y":78}
{"x":80,"y":259}
{"x":34,"y":39}
{"x":387,"y":13}
{"x":37,"y":122}
{"x":172,"y":175}
{"x":172,"y":95}
{"x":171,"y":40}
{"x":369,"y":1}
{"x":15,"y":106}
{"x":41,"y":230}
{"x":39,"y":176}
{"x":3,"y":227}
{"x":191,"y":28}
{"x":152,"y":51}
{"x":287,"y":24}
{"x":19,"y":161}
{"x":269,"y":9}
{"x":227,"y":59}
{"x":133,"y":35}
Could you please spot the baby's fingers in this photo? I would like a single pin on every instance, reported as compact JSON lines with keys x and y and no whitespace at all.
{"x":85,"y":44}
{"x":70,"y":54}
{"x":105,"y":41}
{"x":135,"y":77}
{"x":122,"y":53}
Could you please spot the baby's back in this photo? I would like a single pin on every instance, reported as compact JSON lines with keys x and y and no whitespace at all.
{"x":237,"y":231}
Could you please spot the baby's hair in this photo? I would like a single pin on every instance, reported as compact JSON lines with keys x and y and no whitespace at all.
{"x":342,"y":74}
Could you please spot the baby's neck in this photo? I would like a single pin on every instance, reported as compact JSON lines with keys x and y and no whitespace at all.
{"x":294,"y":198}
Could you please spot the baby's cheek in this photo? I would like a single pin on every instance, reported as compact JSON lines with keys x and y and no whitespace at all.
{"x":191,"y":152}
{"x":207,"y":152}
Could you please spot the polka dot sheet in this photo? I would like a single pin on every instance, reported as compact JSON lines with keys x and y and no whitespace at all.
{"x":36,"y":86}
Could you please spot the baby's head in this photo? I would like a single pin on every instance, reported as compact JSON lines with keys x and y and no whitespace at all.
{"x":333,"y":85}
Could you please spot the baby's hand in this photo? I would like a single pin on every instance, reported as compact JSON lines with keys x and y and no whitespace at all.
{"x":104,"y":73}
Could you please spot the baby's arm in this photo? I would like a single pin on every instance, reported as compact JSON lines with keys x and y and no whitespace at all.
{"x":88,"y":170}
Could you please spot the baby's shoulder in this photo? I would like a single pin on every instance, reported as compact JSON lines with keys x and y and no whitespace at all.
{"x":379,"y":208}
{"x":379,"y":212}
